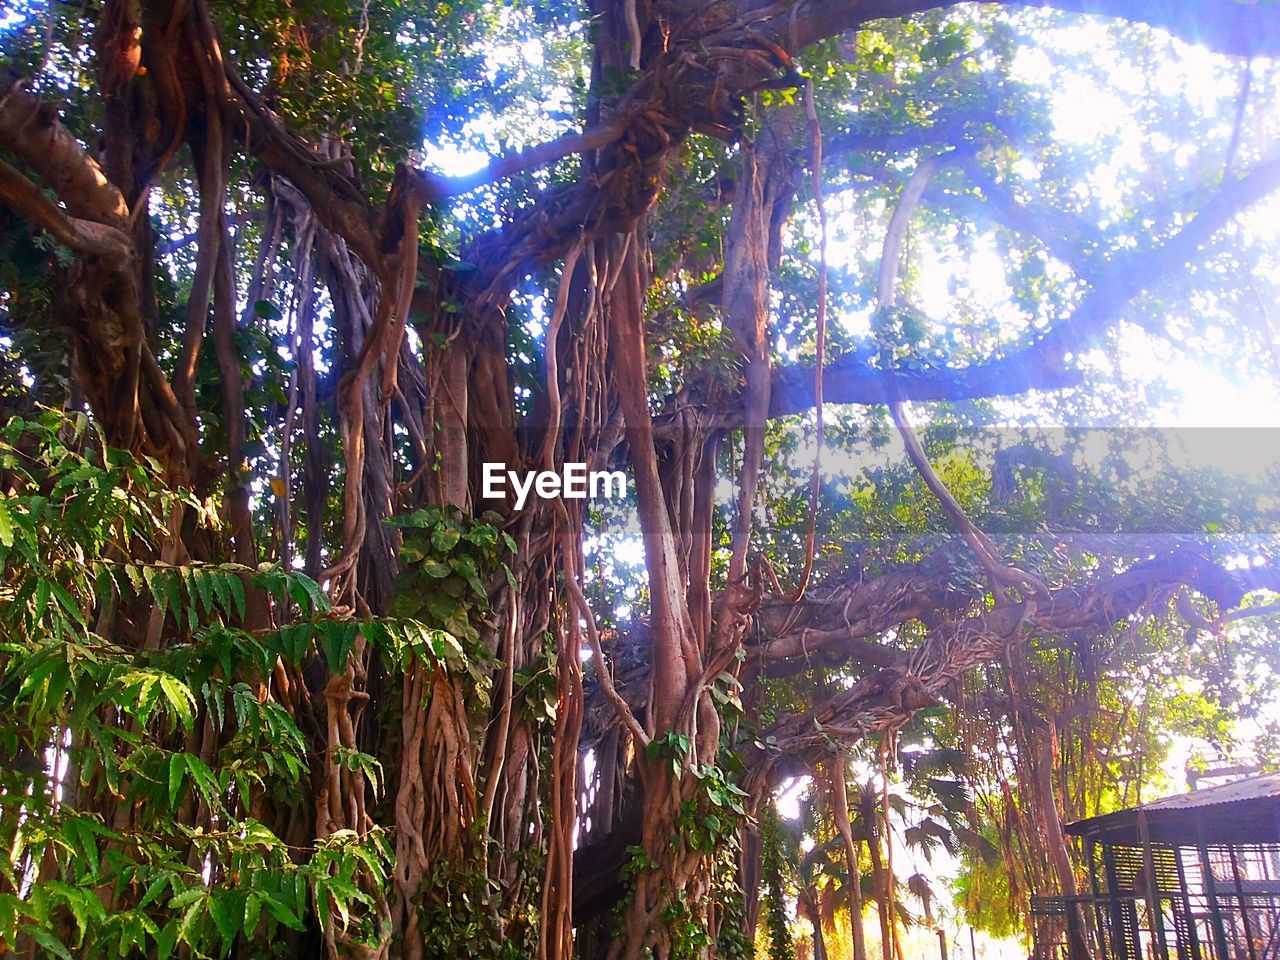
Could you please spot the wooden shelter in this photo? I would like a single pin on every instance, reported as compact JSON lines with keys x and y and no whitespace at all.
{"x":1191,"y":877}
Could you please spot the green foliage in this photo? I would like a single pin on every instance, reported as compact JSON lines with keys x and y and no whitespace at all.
{"x":732,"y":942}
{"x":774,"y":907}
{"x":455,"y":908}
{"x":537,"y":686}
{"x":442,"y":597}
{"x":448,"y":557}
{"x":983,"y":891}
{"x":689,"y":936}
{"x":125,"y":827}
{"x":714,"y":815}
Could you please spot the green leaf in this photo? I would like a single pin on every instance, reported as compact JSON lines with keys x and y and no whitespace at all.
{"x":223,"y":919}
{"x":6,"y":522}
{"x":336,"y":640}
{"x":180,"y":699}
{"x":464,"y":565}
{"x":445,"y":538}
{"x":436,"y":569}
{"x":85,"y":842}
{"x":48,"y":941}
{"x":153,"y":891}
{"x":295,"y":640}
{"x":252,"y":911}
{"x":201,"y":579}
{"x":204,"y":780}
{"x":135,"y":577}
{"x":43,"y":588}
{"x":282,"y":913}
{"x":166,"y":939}
{"x":221,"y":588}
{"x":186,"y":897}
{"x":322,"y":903}
{"x":69,"y":603}
{"x":157,"y":593}
{"x":172,"y":583}
{"x":177,"y":770}
{"x":188,"y":921}
{"x":236,"y":586}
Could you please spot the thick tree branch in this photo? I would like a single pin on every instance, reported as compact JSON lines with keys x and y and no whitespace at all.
{"x":435,"y":187}
{"x":327,"y":182}
{"x":1131,"y":273}
{"x":30,"y":128}
{"x":1227,"y":26}
{"x":887,"y":698}
{"x":84,"y":236}
{"x":1067,"y":236}
{"x":947,"y":128}
{"x":840,"y":625}
{"x":854,"y":378}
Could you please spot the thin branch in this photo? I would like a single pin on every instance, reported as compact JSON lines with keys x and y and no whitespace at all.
{"x":1227,"y":26}
{"x":1242,"y":104}
{"x":886,"y":296}
{"x":1260,"y":611}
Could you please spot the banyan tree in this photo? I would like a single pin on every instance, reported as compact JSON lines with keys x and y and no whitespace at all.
{"x":278,"y":679}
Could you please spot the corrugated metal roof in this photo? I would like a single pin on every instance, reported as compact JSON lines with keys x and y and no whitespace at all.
{"x":1250,"y":788}
{"x":1246,"y":810}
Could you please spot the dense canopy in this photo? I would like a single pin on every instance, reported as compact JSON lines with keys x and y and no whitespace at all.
{"x":874,"y":303}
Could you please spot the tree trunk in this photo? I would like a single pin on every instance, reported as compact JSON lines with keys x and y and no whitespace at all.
{"x":838,"y":773}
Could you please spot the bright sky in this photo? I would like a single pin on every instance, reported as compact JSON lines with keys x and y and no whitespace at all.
{"x":1084,"y":112}
{"x":1087,"y":113}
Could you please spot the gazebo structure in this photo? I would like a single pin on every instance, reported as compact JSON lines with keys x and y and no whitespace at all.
{"x":1191,"y":877}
